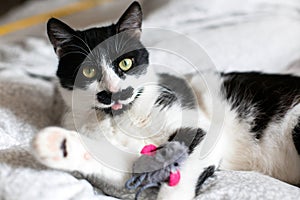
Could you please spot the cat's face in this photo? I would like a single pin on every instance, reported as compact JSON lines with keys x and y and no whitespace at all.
{"x":108,"y":62}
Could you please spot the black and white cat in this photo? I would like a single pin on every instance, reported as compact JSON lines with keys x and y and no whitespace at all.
{"x":105,"y":71}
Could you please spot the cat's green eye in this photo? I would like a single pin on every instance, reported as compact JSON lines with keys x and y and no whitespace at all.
{"x":89,"y":72}
{"x":125,"y":64}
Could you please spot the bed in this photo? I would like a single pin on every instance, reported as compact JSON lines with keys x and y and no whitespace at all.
{"x":231,"y":35}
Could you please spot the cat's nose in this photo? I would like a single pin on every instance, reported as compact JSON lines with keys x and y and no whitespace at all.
{"x":111,"y":83}
{"x":104,"y":97}
{"x":113,"y":88}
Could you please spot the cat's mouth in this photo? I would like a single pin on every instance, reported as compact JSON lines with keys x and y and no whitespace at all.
{"x":117,"y":101}
{"x":117,"y":106}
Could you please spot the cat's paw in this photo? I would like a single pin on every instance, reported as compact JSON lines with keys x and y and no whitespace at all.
{"x":59,"y":148}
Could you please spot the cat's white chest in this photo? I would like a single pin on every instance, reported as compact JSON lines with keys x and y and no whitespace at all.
{"x":128,"y":132}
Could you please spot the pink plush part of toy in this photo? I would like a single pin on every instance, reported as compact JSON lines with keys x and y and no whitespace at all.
{"x":174,"y":178}
{"x":149,"y":150}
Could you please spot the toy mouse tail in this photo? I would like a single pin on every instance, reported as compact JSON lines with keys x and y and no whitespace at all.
{"x":144,"y":188}
{"x":135,"y":182}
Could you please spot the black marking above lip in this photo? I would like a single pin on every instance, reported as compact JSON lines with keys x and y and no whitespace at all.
{"x":107,"y":98}
{"x":123,"y":94}
{"x":104,"y":97}
{"x":125,"y":107}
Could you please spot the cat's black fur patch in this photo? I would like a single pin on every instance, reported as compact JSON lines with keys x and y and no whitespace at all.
{"x":197,"y":139}
{"x":266,"y":97}
{"x":121,"y":111}
{"x":166,"y":98}
{"x":179,"y":90}
{"x":74,"y":58}
{"x":123,"y":94}
{"x":191,"y":137}
{"x":107,"y":97}
{"x":63,"y":147}
{"x":77,"y":49}
{"x":296,"y":136}
{"x":104,"y":97}
{"x":207,"y":173}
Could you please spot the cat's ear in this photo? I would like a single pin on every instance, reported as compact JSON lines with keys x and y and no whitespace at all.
{"x":131,"y":20}
{"x":59,"y":33}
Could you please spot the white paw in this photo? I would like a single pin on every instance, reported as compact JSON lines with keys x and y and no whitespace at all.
{"x":59,"y":148}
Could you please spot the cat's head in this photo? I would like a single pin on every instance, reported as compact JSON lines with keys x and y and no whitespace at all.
{"x":107,"y":62}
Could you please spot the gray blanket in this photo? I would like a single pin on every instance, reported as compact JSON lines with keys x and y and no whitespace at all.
{"x":256,"y":35}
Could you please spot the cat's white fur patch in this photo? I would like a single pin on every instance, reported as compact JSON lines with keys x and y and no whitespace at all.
{"x":145,"y":123}
{"x":275,"y":154}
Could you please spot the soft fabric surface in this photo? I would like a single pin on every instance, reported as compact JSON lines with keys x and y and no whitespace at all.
{"x":237,"y":35}
{"x":244,"y":35}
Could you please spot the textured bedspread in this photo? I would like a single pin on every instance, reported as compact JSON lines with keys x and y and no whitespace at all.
{"x":245,"y":35}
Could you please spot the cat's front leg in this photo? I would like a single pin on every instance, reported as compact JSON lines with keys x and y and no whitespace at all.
{"x":186,"y":188}
{"x":61,"y":149}
{"x":191,"y":181}
{"x":194,"y":169}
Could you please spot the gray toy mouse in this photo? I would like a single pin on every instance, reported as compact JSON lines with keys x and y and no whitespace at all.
{"x":157,"y":165}
{"x":162,"y":164}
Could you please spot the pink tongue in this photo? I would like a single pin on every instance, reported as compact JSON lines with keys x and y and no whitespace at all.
{"x":117,"y":106}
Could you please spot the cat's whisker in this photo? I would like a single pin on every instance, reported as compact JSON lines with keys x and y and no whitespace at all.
{"x":85,"y":53}
{"x":117,"y":43}
{"x":84,"y":44}
{"x":74,"y":45}
{"x":75,"y":71}
{"x":123,"y":43}
{"x":73,"y":52}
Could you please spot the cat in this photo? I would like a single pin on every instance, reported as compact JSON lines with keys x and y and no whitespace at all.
{"x":113,"y":94}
